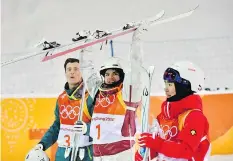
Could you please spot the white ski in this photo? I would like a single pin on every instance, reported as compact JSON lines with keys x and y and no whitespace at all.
{"x":111,"y":35}
{"x":68,"y":48}
{"x":75,"y":148}
{"x":145,"y":110}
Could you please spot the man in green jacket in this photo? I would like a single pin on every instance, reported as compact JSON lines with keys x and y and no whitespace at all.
{"x":66,"y":116}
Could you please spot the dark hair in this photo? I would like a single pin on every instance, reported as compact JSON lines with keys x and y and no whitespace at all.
{"x":70,"y":60}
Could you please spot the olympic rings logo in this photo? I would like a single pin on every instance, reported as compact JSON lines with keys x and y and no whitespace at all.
{"x":69,"y":111}
{"x":167,"y":132}
{"x":105,"y":101}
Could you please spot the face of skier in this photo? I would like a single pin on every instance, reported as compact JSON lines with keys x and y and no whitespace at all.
{"x":73,"y":74}
{"x":170,"y":89}
{"x":111,"y":76}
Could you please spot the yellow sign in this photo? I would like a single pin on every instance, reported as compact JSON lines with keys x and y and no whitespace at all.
{"x":23,"y":123}
{"x":25,"y":120}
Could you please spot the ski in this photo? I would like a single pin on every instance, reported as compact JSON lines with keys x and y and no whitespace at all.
{"x":118,"y":32}
{"x":107,"y":36}
{"x":78,"y":152}
{"x":145,"y":110}
{"x":71,"y":47}
{"x":180,"y":16}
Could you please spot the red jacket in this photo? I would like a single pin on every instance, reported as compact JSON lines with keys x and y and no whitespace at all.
{"x":184,"y":130}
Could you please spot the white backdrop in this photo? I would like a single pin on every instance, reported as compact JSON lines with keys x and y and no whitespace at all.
{"x":204,"y":38}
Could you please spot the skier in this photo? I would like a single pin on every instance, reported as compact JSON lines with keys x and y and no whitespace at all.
{"x":66,"y":115}
{"x":183,"y":128}
{"x":116,"y":100}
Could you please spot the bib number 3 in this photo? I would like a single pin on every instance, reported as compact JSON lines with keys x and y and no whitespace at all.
{"x":67,"y":139}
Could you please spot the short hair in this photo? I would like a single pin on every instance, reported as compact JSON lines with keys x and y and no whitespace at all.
{"x":70,"y":60}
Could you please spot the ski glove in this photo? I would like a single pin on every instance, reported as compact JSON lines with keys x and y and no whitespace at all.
{"x":147,"y":140}
{"x":80,"y":127}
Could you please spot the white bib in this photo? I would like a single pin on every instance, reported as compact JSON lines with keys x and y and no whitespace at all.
{"x":66,"y":137}
{"x":106,"y":128}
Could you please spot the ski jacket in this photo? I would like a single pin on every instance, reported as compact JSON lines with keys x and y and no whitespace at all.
{"x":114,"y":112}
{"x":113,"y":126}
{"x":66,"y":114}
{"x":183,"y":134}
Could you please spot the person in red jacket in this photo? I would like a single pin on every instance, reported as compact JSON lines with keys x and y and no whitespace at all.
{"x":183,"y":129}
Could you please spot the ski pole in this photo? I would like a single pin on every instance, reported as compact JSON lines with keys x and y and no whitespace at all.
{"x":112,"y":51}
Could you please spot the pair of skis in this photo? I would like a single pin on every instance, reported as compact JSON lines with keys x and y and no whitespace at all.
{"x":145,"y":110}
{"x":83,"y":43}
{"x":92,"y":41}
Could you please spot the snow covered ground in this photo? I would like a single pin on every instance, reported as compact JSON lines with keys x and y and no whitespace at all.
{"x":206,"y":38}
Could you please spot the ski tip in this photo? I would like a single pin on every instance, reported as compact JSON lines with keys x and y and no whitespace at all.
{"x":192,"y":10}
{"x":157,"y":16}
{"x":196,"y":6}
{"x":162,"y":12}
{"x":151,"y":69}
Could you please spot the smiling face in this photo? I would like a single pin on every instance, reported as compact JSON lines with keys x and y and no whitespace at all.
{"x":170,"y":89}
{"x":73,"y":74}
{"x":111,"y":76}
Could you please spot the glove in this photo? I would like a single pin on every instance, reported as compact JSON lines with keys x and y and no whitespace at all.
{"x":147,"y":140}
{"x":38,"y":147}
{"x":80,"y":127}
{"x":138,"y":157}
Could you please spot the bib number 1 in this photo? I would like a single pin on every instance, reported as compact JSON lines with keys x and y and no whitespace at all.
{"x":98,"y":131}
